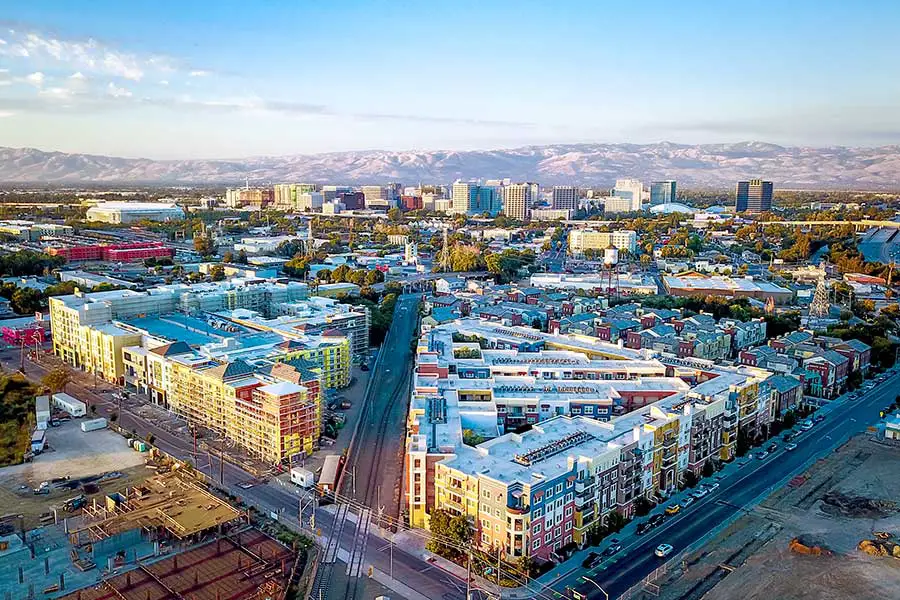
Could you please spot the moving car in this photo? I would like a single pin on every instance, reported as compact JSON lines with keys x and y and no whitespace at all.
{"x":711,"y":486}
{"x":806,"y":425}
{"x":791,"y":447}
{"x":642,"y":528}
{"x":663,"y":550}
{"x":612,"y":549}
{"x":699,"y":493}
{"x":772,"y":447}
{"x":762,"y":454}
{"x":787,"y":437}
{"x":674,"y":509}
{"x":656,"y":520}
{"x":591,"y":560}
{"x":687,"y":501}
{"x":818,"y":418}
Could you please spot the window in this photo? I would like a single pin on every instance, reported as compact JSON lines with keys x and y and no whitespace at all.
{"x":568,"y":525}
{"x":547,"y":538}
{"x":550,"y":493}
{"x":538,"y":512}
{"x":485,"y":538}
{"x":536,"y":544}
{"x":569,"y":484}
{"x":588,"y":410}
{"x":568,"y":511}
{"x":486,"y":494}
{"x":536,"y":529}
{"x":558,"y":488}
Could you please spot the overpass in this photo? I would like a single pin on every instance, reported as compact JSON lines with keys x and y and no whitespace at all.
{"x":861,"y":225}
{"x":425,"y":281}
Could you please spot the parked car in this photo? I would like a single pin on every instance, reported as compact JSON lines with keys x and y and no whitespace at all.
{"x":762,"y":454}
{"x":818,"y":418}
{"x":787,"y":437}
{"x":591,"y":560}
{"x":656,"y":520}
{"x":699,"y":493}
{"x":806,"y":425}
{"x":772,"y":447}
{"x":711,"y":486}
{"x":791,"y":447}
{"x":673,"y":509}
{"x":687,"y":501}
{"x":642,"y":528}
{"x":663,"y":550}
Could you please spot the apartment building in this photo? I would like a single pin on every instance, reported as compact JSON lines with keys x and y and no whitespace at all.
{"x":529,"y":494}
{"x":517,"y":199}
{"x":587,"y":239}
{"x":565,"y":197}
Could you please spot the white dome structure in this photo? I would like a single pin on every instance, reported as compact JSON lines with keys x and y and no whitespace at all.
{"x":671,"y":207}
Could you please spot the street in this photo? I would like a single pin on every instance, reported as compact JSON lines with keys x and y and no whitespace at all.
{"x":743,"y":484}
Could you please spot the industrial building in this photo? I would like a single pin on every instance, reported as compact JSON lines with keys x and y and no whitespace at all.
{"x":132,"y":252}
{"x":698,"y":284}
{"x":131,"y":212}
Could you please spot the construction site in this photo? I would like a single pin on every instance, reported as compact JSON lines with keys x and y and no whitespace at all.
{"x":168,"y":537}
{"x":831,"y":533}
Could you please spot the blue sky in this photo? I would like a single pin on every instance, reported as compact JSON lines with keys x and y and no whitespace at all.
{"x":232,"y":79}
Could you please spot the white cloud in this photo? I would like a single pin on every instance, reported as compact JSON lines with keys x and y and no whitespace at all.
{"x":36,"y":79}
{"x":57,"y":93}
{"x":86,"y":56}
{"x":77,"y":76}
{"x":163,"y":82}
{"x":6,"y":113}
{"x":116,"y":91}
{"x":199,"y":73}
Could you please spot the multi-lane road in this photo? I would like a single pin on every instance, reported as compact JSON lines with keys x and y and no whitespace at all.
{"x":741,"y":485}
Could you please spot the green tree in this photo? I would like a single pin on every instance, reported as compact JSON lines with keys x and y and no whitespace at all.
{"x":217,"y":273}
{"x":241,"y":258}
{"x":450,"y":534}
{"x":374,"y":276}
{"x":296,"y":267}
{"x":26,"y":300}
{"x":708,"y":468}
{"x":395,"y":215}
{"x":228,"y":257}
{"x":204,"y":245}
{"x":288,"y":248}
{"x":57,"y":379}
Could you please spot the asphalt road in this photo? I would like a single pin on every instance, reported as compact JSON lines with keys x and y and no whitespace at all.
{"x":742,"y":485}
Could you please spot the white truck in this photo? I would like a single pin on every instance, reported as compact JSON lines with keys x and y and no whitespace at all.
{"x":302,"y":477}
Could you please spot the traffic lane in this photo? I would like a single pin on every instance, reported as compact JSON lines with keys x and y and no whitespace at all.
{"x":695,"y":523}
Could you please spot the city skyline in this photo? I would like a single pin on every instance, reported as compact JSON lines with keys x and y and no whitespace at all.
{"x":180,"y":82}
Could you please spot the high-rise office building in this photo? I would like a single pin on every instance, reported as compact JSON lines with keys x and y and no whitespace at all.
{"x":565,"y":197}
{"x":517,"y":200}
{"x":630,"y":189}
{"x":472,"y":198}
{"x":662,"y":192}
{"x":753,"y":196}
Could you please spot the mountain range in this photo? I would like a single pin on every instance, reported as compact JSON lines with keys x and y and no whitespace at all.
{"x":693,"y":166}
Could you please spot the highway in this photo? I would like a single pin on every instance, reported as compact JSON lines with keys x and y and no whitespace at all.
{"x":743,"y":484}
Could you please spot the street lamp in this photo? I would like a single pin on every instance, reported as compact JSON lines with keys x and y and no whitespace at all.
{"x":605,"y":595}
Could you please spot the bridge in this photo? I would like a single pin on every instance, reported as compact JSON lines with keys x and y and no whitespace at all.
{"x":861,"y":225}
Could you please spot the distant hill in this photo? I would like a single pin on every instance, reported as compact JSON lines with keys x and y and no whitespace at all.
{"x":705,"y":165}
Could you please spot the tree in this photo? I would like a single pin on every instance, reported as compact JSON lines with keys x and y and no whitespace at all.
{"x":456,"y":530}
{"x":690,"y":479}
{"x":616,"y":521}
{"x":288,"y":248}
{"x":228,"y":257}
{"x":57,"y":379}
{"x":204,"y":245}
{"x":26,"y":300}
{"x":395,"y":215}
{"x":217,"y":273}
{"x":296,"y":267}
{"x":241,"y":257}
{"x":374,"y":276}
{"x":642,"y":506}
{"x":708,"y":468}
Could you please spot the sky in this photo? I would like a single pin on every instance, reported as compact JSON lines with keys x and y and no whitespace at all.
{"x":232,"y":79}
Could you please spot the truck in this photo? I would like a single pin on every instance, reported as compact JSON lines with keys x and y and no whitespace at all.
{"x":38,"y":441}
{"x":42,"y":411}
{"x":302,"y":477}
{"x":93,"y":425}
{"x":71,"y":405}
{"x":330,"y":472}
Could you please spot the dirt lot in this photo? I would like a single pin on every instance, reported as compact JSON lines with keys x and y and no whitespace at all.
{"x":840,"y":501}
{"x":97,"y":458}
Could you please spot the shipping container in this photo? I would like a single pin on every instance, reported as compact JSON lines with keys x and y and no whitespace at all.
{"x":93,"y":424}
{"x":73,"y":406}
{"x":38,"y":441}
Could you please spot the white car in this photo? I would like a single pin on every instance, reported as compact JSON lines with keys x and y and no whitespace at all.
{"x":663,"y":550}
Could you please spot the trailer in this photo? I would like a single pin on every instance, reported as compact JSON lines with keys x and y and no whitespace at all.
{"x":42,"y":411}
{"x":71,"y":405}
{"x":38,"y":441}
{"x":93,"y":425}
{"x":331,"y":470}
{"x":302,"y":477}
